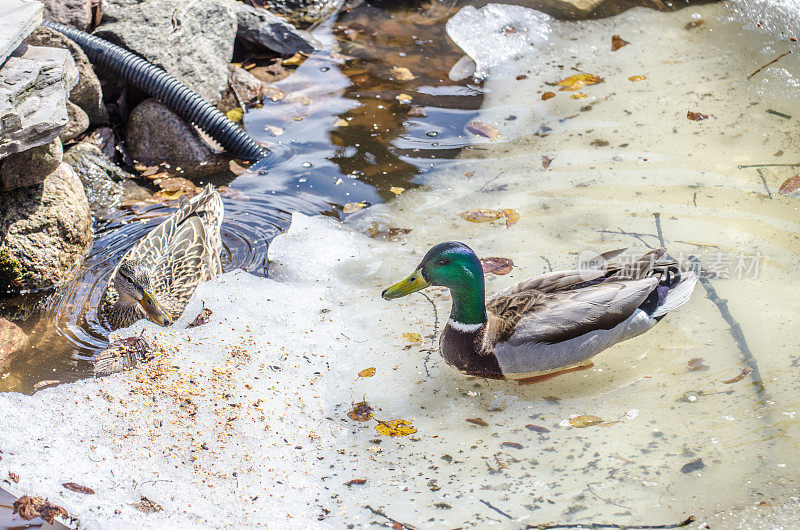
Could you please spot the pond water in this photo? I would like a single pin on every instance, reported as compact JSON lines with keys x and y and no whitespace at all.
{"x":698,"y":416}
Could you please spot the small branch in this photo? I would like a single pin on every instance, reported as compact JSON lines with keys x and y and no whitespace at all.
{"x":433,"y":347}
{"x":761,"y":174}
{"x":637,"y":235}
{"x":790,"y":164}
{"x":779,"y":114}
{"x":687,"y":522}
{"x":395,"y":521}
{"x":495,"y":508}
{"x":658,"y":229}
{"x":775,"y":60}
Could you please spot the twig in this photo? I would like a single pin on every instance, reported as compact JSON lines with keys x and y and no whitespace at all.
{"x":546,"y":526}
{"x":491,"y":180}
{"x":637,"y":235}
{"x":735,"y":328}
{"x":433,"y":347}
{"x":658,"y":229}
{"x":775,"y":60}
{"x":550,"y":267}
{"x":609,"y":501}
{"x":779,"y":114}
{"x":495,"y":508}
{"x":760,"y":174}
{"x":790,"y":164}
{"x":395,"y":521}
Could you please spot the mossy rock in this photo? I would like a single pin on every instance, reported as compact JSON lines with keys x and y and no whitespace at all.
{"x":13,"y":275}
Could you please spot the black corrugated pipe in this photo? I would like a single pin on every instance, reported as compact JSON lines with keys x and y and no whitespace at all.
{"x":182,"y":100}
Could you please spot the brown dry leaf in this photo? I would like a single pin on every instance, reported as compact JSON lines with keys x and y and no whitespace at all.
{"x":412,"y":338}
{"x":578,"y":95}
{"x":367,"y":372}
{"x":361,"y":412}
{"x":617,"y":42}
{"x":546,"y":162}
{"x":235,"y":115}
{"x":32,"y":507}
{"x":201,"y":319}
{"x":696,"y":365}
{"x":637,"y":78}
{"x":696,"y":116}
{"x":147,"y":171}
{"x":739,"y":377}
{"x":513,"y":445}
{"x":395,"y":428}
{"x":401,"y":73}
{"x":236,"y":169}
{"x":397,"y":190}
{"x":147,"y":506}
{"x":482,"y":215}
{"x":356,"y":482}
{"x":13,"y":477}
{"x":275,"y":130}
{"x":585,"y":421}
{"x":295,"y":59}
{"x":388,"y":233}
{"x":403,"y":98}
{"x":576,"y":82}
{"x":469,"y":174}
{"x":790,"y":185}
{"x":512,"y":216}
{"x":694,"y":24}
{"x":548,"y":95}
{"x":482,"y":129}
{"x":477,"y":421}
{"x":77,"y":488}
{"x":44,"y":384}
{"x":498,"y":266}
{"x":537,"y":428}
{"x":351,"y":207}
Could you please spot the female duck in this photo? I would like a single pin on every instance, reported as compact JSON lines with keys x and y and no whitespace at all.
{"x":549,"y":324}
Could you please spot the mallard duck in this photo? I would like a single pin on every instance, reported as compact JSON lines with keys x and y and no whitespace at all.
{"x":550,"y":324}
{"x":156,"y":278}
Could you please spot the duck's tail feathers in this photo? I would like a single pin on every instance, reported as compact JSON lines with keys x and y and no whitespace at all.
{"x":678,"y":294}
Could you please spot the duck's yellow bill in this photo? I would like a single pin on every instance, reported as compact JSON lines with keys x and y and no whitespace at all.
{"x":412,"y":284}
{"x":155,"y":311}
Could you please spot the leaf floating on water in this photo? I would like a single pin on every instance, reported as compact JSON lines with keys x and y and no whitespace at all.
{"x":637,"y":78}
{"x":477,"y":421}
{"x":395,"y":428}
{"x":147,"y":506}
{"x":790,"y":185}
{"x":401,"y":73}
{"x":548,"y":95}
{"x":483,"y":129}
{"x":403,"y":98}
{"x":356,"y":482}
{"x":397,"y":190}
{"x":578,"y":95}
{"x":341,"y":122}
{"x":174,"y":187}
{"x":546,"y":162}
{"x":696,"y":365}
{"x":482,"y":215}
{"x":236,"y":169}
{"x":498,"y":266}
{"x":696,"y":116}
{"x":294,"y":60}
{"x":513,"y":445}
{"x":617,"y":42}
{"x":585,"y":421}
{"x":77,"y":488}
{"x":44,"y":384}
{"x":512,"y":216}
{"x":32,"y":507}
{"x":469,"y":174}
{"x":361,"y":412}
{"x":235,"y":115}
{"x":273,"y":130}
{"x":367,"y":372}
{"x":694,"y":24}
{"x":201,"y":319}
{"x":412,"y":338}
{"x":739,"y":377}
{"x":351,"y":207}
{"x":576,"y":82}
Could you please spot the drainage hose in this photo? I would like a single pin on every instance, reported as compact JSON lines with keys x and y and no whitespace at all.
{"x":182,"y":100}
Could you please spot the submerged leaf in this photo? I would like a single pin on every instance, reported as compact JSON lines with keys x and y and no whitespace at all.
{"x":548,"y":95}
{"x":235,"y":115}
{"x":483,"y":129}
{"x":482,"y":215}
{"x":77,"y":488}
{"x":397,"y":190}
{"x":512,"y":216}
{"x":356,"y":482}
{"x":790,"y":185}
{"x":576,"y":82}
{"x":696,"y":116}
{"x":537,"y":428}
{"x":395,"y":428}
{"x":367,"y":372}
{"x":403,"y":98}
{"x":514,"y":445}
{"x":696,"y":365}
{"x":739,"y":377}
{"x":351,"y":207}
{"x":617,"y":42}
{"x":387,"y":233}
{"x":401,"y":73}
{"x":412,"y":338}
{"x":361,"y":412}
{"x":477,"y":421}
{"x":578,"y":95}
{"x":637,"y":78}
{"x":585,"y":421}
{"x":498,"y":266}
{"x":546,"y":162}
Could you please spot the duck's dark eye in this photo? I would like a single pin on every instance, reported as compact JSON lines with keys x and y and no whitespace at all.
{"x":443,"y":261}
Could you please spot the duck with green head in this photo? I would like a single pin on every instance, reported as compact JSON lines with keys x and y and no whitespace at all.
{"x":549,"y":324}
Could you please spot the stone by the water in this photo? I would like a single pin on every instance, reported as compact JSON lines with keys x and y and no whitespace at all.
{"x":77,"y":123}
{"x":31,"y":167}
{"x":17,"y":19}
{"x":75,"y":13}
{"x":260,"y":28}
{"x":12,"y":339}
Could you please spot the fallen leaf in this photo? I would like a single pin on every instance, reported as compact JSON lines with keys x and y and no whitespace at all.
{"x":13,"y":477}
{"x":351,"y":207}
{"x":274,"y":130}
{"x":585,"y":421}
{"x":147,"y":506}
{"x":694,"y":465}
{"x":151,"y":170}
{"x":403,"y":98}
{"x":520,"y":77}
{"x":174,"y":187}
{"x":294,"y":60}
{"x":236,"y":169}
{"x":694,"y":24}
{"x":537,"y":428}
{"x":576,"y":82}
{"x":417,"y":112}
{"x":235,"y":115}
{"x":696,"y":365}
{"x":546,"y":162}
{"x":395,"y":428}
{"x":356,"y":482}
{"x":512,"y":216}
{"x":77,"y":488}
{"x":367,"y":372}
{"x":739,"y":377}
{"x":482,"y":129}
{"x":469,"y":174}
{"x":274,"y":94}
{"x":44,"y":384}
{"x":477,"y":421}
{"x":498,"y":266}
{"x":696,"y":116}
{"x":397,"y":190}
{"x":201,"y":319}
{"x":32,"y":507}
{"x":388,"y":232}
{"x":341,"y":122}
{"x":548,"y":95}
{"x":482,"y":215}
{"x":513,"y":445}
{"x":578,"y":95}
{"x":360,"y":412}
{"x":233,"y":193}
{"x":401,"y":73}
{"x":412,"y":338}
{"x":617,"y":42}
{"x":790,"y":185}
{"x":637,"y":78}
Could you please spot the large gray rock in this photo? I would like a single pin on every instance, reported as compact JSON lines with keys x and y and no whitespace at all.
{"x":88,"y":93}
{"x":12,"y":339}
{"x":34,"y":85}
{"x":156,"y":134}
{"x":260,"y":28}
{"x":303,"y":11}
{"x":192,"y":41}
{"x":44,"y":229}
{"x":75,"y":13}
{"x":17,"y":20}
{"x":31,"y":167}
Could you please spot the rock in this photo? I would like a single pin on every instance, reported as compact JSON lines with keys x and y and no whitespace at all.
{"x":104,"y":183}
{"x":156,"y":135}
{"x":75,"y":13}
{"x":12,"y":339}
{"x":34,"y":85}
{"x":44,"y":230}
{"x":88,"y":93}
{"x":585,"y":9}
{"x":248,"y":88}
{"x":30,"y":167}
{"x":192,"y":41}
{"x":305,"y":12}
{"x":17,"y":20}
{"x":77,"y":123}
{"x":260,"y":28}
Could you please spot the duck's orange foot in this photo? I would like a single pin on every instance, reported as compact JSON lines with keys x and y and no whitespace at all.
{"x":546,"y":377}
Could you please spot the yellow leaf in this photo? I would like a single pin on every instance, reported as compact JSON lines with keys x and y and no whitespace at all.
{"x":482,"y":215}
{"x":395,"y":428}
{"x":576,"y":82}
{"x":351,"y":207}
{"x":403,"y":98}
{"x":512,"y":216}
{"x":483,"y":129}
{"x":548,"y":95}
{"x":342,"y":123}
{"x":637,"y":78}
{"x":401,"y":73}
{"x":412,"y":338}
{"x":397,"y":190}
{"x":294,"y":60}
{"x":585,"y":421}
{"x":577,"y":95}
{"x":367,"y":372}
{"x":235,"y":115}
{"x":274,"y":131}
